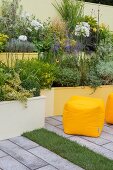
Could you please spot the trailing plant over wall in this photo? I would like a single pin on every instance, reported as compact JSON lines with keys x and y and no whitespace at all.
{"x":10,"y":86}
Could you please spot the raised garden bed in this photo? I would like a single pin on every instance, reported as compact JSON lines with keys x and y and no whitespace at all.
{"x":15,"y":118}
{"x":57,"y":97}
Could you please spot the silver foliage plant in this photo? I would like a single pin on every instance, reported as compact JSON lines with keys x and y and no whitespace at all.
{"x":19,"y":46}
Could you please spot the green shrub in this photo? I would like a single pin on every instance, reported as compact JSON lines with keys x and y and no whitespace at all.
{"x":4,"y":74}
{"x":105,"y":49}
{"x":35,"y":74}
{"x":93,"y":80}
{"x":69,"y":61}
{"x":77,"y":64}
{"x":105,"y":72}
{"x":67,"y":77}
{"x":12,"y":90}
{"x":10,"y":86}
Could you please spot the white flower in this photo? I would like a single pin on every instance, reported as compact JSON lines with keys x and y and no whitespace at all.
{"x":22,"y":38}
{"x":37,"y":25}
{"x":36,"y":28}
{"x":29,"y":29}
{"x":82,"y":29}
{"x":85,"y":24}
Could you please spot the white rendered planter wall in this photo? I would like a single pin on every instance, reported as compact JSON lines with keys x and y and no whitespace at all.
{"x":15,"y":118}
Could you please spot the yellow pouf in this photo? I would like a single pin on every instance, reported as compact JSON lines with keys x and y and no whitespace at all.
{"x":84,"y":116}
{"x":109,"y":109}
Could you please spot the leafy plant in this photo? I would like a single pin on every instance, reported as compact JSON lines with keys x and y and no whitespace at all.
{"x":73,"y":71}
{"x":105,"y":48}
{"x":71,"y":11}
{"x":105,"y":72}
{"x":3,"y":40}
{"x":10,"y":86}
{"x":91,"y":21}
{"x":10,"y":17}
{"x":35,"y":74}
{"x":67,"y":77}
{"x":93,"y":80}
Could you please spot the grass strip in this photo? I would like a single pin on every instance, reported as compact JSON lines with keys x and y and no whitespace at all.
{"x":70,"y":150}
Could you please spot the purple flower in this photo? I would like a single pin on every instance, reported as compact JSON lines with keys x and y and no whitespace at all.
{"x":56,"y":47}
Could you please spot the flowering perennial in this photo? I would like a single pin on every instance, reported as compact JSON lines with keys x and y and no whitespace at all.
{"x":82,"y":29}
{"x":37,"y":25}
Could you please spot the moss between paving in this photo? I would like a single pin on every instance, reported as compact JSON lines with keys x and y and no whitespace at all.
{"x":70,"y":150}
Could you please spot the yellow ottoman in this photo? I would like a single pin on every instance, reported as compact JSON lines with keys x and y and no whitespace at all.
{"x":109,"y":109}
{"x":84,"y":116}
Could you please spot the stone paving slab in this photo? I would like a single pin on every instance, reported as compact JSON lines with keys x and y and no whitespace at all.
{"x":9,"y":163}
{"x":60,"y":126}
{"x":56,"y":130}
{"x":108,"y":130}
{"x":109,"y":146}
{"x":24,"y":142}
{"x":111,"y":126}
{"x":107,"y":136}
{"x":2,"y":154}
{"x":57,"y":118}
{"x":99,"y":141}
{"x":53,"y":122}
{"x":54,"y":159}
{"x":48,"y":167}
{"x":22,"y":155}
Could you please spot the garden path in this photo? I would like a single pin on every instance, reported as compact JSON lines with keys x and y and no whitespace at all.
{"x":19,"y":153}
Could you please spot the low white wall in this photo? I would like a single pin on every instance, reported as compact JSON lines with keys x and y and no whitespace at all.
{"x":15,"y":118}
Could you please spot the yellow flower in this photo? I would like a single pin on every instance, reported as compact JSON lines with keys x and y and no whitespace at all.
{"x":57,"y":61}
{"x":3,"y":38}
{"x":102,"y":25}
{"x":73,"y":42}
{"x":94,"y":29}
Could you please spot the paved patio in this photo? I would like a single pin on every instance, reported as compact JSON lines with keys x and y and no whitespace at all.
{"x":102,"y":145}
{"x":20,"y":153}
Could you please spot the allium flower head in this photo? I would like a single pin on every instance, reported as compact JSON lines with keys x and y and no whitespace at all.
{"x":82,"y":29}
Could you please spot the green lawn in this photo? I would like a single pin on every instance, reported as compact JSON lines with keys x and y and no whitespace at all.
{"x":70,"y":150}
